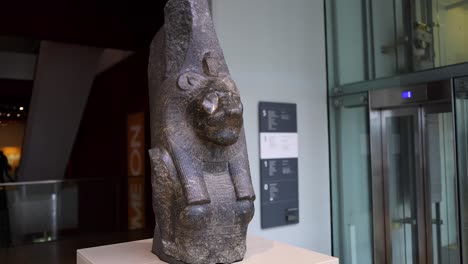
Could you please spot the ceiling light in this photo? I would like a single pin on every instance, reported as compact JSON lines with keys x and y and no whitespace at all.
{"x":21,"y":108}
{"x":8,"y":115}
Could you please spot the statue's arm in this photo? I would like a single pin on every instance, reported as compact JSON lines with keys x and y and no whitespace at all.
{"x":240,"y":173}
{"x":190,"y":173}
{"x":164,"y":185}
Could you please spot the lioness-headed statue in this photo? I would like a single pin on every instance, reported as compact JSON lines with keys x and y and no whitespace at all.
{"x":202,"y":190}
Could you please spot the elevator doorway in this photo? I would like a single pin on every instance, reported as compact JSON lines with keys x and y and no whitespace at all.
{"x":414,"y":176}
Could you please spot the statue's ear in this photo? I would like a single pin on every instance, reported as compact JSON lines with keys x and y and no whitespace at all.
{"x":190,"y":81}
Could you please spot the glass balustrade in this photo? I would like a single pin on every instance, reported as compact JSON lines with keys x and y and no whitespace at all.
{"x":36,"y":212}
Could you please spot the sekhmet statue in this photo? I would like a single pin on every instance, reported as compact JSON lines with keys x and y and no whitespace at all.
{"x":202,"y":190}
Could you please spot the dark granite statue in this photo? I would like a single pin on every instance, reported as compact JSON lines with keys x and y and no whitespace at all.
{"x":202,"y":190}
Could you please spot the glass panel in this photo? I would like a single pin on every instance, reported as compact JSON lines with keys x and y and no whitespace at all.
{"x":399,"y":145}
{"x":450,"y":31}
{"x":440,"y":162}
{"x":383,"y":38}
{"x":461,"y":114}
{"x":49,"y":211}
{"x":351,"y":194}
{"x":346,"y":41}
{"x":373,"y":39}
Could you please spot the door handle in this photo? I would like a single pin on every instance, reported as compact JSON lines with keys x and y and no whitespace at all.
{"x":396,"y":224}
{"x":391,"y":49}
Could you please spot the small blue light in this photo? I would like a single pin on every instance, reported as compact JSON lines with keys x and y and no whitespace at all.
{"x":406,"y":94}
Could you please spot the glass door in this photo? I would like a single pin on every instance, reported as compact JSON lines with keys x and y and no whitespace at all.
{"x":402,"y":175}
{"x":415,"y":181}
{"x":441,"y":185}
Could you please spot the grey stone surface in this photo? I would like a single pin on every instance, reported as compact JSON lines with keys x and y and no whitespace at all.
{"x":202,"y":190}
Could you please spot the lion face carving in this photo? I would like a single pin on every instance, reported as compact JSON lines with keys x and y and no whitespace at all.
{"x":215,"y":107}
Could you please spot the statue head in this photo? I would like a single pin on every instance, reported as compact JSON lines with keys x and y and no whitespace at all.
{"x":189,"y":57}
{"x":215,"y":107}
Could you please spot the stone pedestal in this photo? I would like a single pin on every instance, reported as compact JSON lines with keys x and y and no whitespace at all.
{"x":259,"y":251}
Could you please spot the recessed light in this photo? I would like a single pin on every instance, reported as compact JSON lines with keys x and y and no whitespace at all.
{"x":8,"y":115}
{"x":18,"y":115}
{"x":21,"y":108}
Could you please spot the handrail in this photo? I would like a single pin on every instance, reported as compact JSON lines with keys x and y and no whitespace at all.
{"x":49,"y":182}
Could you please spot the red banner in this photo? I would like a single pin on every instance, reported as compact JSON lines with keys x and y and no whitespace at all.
{"x":136,"y":170}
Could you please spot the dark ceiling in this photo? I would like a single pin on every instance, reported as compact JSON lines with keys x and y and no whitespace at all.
{"x":129,"y":26}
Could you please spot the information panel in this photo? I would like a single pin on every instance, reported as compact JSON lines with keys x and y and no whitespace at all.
{"x":279,"y":164}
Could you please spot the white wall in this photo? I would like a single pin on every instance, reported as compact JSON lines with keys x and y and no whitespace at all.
{"x":275,"y":50}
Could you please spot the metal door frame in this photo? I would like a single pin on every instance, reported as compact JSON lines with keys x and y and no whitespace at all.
{"x":460,"y":89}
{"x":424,"y":110}
{"x":379,"y":169}
{"x":380,"y":184}
{"x":381,"y":247}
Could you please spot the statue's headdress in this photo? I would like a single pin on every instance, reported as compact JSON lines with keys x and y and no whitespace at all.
{"x":188,"y":42}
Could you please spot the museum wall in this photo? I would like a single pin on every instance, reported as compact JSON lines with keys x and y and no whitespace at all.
{"x":276,"y":52}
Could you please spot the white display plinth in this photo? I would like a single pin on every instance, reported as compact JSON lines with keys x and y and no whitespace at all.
{"x":259,"y":251}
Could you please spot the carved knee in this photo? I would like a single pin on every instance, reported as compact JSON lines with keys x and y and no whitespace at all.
{"x":195,"y":216}
{"x":244,"y":211}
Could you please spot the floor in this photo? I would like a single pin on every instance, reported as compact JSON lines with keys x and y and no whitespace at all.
{"x":64,"y":252}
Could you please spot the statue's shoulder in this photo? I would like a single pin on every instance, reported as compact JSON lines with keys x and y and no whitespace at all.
{"x":161,"y":160}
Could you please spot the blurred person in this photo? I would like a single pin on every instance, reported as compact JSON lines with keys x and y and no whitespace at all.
{"x":4,"y":168}
{"x":4,"y":218}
